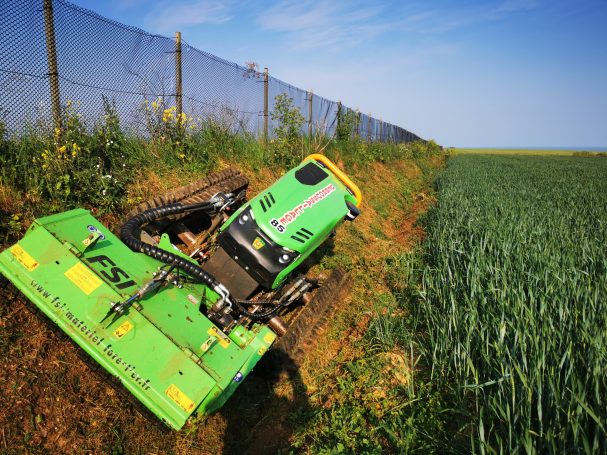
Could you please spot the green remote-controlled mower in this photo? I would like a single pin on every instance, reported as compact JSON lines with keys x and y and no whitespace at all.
{"x":198,"y":287}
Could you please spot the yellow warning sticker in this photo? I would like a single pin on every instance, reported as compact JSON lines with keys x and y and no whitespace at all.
{"x":82,"y":277}
{"x":180,"y":398}
{"x":269,"y":338}
{"x":24,"y":258}
{"x":123,"y":329}
{"x":262,"y":350}
{"x":223,"y":340}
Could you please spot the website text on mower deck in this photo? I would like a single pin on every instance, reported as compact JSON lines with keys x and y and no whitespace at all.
{"x":202,"y":283}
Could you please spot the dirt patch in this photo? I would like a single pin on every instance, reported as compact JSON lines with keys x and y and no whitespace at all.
{"x":56,"y":403}
{"x":409,"y":231}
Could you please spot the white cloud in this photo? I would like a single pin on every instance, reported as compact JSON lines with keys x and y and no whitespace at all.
{"x":444,"y":21}
{"x":168,"y":17}
{"x":338,"y":24}
{"x":323,"y":24}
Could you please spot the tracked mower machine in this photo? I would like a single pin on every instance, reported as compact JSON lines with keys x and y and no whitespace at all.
{"x":198,"y":287}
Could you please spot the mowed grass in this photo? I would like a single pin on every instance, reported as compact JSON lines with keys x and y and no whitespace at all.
{"x":513,"y":308}
{"x":543,"y":152}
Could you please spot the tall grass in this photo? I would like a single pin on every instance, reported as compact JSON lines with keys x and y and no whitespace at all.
{"x":92,"y":165}
{"x":513,"y":308}
{"x":96,"y":165}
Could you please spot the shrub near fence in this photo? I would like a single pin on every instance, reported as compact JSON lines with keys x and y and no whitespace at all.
{"x":53,"y":50}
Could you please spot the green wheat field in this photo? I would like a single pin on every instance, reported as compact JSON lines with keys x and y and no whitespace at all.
{"x":513,"y":300}
{"x":540,"y":152}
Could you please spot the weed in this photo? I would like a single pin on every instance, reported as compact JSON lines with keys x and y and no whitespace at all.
{"x":346,"y":123}
{"x":287,"y":143}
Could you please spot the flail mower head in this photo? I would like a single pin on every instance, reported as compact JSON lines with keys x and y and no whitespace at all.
{"x":183,"y":307}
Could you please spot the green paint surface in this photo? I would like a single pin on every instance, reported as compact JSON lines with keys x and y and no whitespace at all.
{"x":164,"y":350}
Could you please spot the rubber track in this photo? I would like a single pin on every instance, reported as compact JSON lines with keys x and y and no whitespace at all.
{"x":229,"y":181}
{"x":304,"y":330}
{"x":8,"y":292}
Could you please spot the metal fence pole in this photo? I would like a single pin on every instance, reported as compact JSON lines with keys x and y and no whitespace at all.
{"x":357,"y":123}
{"x":369,"y":128}
{"x":51,"y":53}
{"x":178,"y":80}
{"x":310,"y":95}
{"x":381,"y":124}
{"x":265,"y":106}
{"x":337,"y":131}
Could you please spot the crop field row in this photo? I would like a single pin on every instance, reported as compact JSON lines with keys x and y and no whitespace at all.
{"x":513,"y":308}
{"x":539,"y":152}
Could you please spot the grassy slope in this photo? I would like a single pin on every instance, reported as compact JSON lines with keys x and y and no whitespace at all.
{"x":339,"y":397}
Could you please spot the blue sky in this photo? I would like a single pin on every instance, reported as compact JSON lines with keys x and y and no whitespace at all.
{"x":468,"y":73}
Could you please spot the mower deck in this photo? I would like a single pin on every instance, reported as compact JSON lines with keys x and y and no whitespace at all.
{"x":164,"y":350}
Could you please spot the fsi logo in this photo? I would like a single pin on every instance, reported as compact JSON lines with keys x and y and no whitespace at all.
{"x":112,"y":272}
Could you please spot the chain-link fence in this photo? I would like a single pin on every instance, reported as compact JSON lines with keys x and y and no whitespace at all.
{"x":53,"y":53}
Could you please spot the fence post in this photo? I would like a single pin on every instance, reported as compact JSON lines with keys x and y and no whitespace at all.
{"x":369,"y":128}
{"x":265,"y":106}
{"x":178,"y":81}
{"x":338,"y":119}
{"x":310,"y":95}
{"x":51,"y":54}
{"x":357,"y":123}
{"x":381,"y":124}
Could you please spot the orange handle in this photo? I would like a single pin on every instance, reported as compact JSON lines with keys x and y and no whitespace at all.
{"x":340,"y":175}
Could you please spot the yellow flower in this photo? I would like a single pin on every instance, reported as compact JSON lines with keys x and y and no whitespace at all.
{"x":181,"y":156}
{"x":62,"y":149}
{"x":154,"y":105}
{"x":44,"y":166}
{"x":168,"y":115}
{"x":75,"y":150}
{"x":57,"y":133}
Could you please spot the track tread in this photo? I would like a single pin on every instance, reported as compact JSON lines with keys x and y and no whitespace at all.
{"x":228,"y":181}
{"x":304,"y":330}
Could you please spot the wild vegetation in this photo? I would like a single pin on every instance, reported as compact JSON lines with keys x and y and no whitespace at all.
{"x":96,"y":165}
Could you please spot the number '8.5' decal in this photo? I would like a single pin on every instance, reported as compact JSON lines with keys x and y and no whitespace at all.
{"x":279,"y":227}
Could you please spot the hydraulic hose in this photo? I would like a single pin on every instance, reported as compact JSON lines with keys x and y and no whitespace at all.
{"x":128,"y":237}
{"x":257,"y":316}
